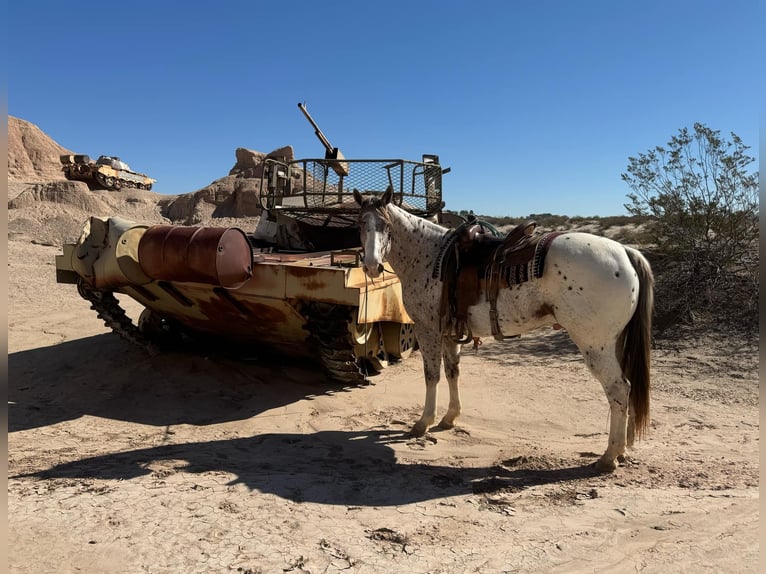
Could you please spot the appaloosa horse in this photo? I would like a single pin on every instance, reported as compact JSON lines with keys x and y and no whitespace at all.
{"x":600,"y":291}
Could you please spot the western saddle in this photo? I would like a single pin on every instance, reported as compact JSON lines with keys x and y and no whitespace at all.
{"x":473,"y":261}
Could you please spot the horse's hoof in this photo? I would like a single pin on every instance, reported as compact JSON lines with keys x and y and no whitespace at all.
{"x":446,"y":425}
{"x":605,"y":466}
{"x":418,"y":429}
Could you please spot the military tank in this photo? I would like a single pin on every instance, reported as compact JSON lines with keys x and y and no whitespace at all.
{"x":294,"y":285}
{"x":107,"y":172}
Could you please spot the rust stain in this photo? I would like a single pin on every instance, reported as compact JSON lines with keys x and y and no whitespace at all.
{"x":222,"y":311}
{"x":263,"y":326}
{"x":265,"y":278}
{"x":308,"y":277}
{"x":265,"y":313}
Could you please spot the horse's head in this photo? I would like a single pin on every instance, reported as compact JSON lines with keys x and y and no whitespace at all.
{"x":374,"y":230}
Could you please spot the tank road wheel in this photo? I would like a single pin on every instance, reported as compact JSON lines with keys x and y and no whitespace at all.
{"x":148,"y":187}
{"x":162,"y":332}
{"x":362,"y":333}
{"x":109,"y":182}
{"x":330,"y":334}
{"x":101,"y":180}
{"x":398,"y":339}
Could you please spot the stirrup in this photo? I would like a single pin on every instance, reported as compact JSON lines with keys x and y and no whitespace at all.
{"x":460,"y":337}
{"x":496,"y":331}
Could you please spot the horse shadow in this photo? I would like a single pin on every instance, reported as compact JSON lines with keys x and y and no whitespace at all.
{"x":105,"y":377}
{"x":539,"y":346}
{"x":352,"y":468}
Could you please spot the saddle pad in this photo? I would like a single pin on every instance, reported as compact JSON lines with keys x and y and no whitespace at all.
{"x":522,"y":271}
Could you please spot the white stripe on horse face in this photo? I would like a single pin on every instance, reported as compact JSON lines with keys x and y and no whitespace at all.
{"x":375,"y":243}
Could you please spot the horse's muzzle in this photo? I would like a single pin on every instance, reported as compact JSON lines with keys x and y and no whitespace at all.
{"x":374,"y":272}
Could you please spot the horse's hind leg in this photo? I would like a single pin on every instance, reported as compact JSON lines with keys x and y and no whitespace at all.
{"x":451,"y":357}
{"x":602,"y":361}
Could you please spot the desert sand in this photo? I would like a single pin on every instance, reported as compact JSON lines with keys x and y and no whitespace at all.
{"x":120,"y":461}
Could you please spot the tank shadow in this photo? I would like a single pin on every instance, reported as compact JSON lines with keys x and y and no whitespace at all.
{"x":327,"y":467}
{"x":106,"y":377}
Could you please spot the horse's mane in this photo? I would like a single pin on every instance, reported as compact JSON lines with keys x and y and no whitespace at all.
{"x":423,"y":222}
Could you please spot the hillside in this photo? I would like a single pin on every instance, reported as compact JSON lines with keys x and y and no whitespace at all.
{"x":46,"y":208}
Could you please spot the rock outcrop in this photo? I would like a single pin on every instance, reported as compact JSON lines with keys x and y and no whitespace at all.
{"x":250,"y":163}
{"x":47,"y":207}
{"x":32,"y":155}
{"x":233,"y":196}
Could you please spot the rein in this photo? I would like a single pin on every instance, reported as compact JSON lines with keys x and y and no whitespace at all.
{"x":447,"y":244}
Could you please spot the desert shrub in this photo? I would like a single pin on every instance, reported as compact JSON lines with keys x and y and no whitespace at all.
{"x":701,"y":201}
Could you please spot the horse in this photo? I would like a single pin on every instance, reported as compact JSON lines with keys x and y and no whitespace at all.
{"x":600,"y":291}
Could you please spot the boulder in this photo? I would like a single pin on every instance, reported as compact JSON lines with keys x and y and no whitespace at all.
{"x":250,"y":163}
{"x":232,"y":196}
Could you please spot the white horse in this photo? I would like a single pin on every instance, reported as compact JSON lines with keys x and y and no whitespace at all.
{"x":600,"y":291}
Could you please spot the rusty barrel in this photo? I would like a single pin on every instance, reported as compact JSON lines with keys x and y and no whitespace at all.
{"x":212,"y":255}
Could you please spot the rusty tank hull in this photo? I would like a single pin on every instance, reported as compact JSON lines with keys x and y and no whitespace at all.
{"x":212,"y":285}
{"x":294,"y":285}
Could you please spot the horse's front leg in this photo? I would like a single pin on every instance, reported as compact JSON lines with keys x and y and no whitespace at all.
{"x":430,"y":350}
{"x":451,"y":356}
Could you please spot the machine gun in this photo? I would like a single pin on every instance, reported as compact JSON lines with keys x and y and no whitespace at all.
{"x":332,"y":154}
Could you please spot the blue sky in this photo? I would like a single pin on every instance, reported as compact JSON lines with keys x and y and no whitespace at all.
{"x":535,"y":105}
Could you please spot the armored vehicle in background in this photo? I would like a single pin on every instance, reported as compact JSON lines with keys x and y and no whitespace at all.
{"x":106,"y":172}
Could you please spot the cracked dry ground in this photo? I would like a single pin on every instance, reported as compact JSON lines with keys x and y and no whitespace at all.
{"x":124,"y":462}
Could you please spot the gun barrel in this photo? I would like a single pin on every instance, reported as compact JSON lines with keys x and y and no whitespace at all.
{"x":317,"y":131}
{"x":332,"y":154}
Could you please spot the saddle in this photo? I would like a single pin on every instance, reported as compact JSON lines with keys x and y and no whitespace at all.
{"x":472,"y":261}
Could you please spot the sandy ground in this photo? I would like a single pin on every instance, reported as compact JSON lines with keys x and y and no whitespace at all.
{"x":124,"y":462}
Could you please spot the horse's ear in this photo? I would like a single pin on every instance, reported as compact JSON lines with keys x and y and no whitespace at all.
{"x":358,"y":196}
{"x":387,"y":196}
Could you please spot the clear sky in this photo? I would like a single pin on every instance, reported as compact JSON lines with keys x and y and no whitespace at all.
{"x":535,"y":105}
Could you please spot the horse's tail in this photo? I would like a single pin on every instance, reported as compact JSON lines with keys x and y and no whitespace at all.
{"x":634,"y":345}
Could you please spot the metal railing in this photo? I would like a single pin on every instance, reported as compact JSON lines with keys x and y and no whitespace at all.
{"x":311,"y":188}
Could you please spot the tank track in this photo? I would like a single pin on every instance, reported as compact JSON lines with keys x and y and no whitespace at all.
{"x":327,"y":325}
{"x":106,"y":305}
{"x":328,"y":330}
